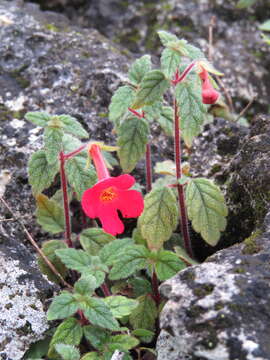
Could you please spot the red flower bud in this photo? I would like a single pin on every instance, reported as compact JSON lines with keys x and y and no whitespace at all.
{"x":209,"y":94}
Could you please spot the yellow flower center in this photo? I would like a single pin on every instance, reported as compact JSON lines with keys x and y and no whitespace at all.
{"x":108,"y":194}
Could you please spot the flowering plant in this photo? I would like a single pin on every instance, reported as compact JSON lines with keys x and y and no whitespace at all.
{"x":110,"y":299}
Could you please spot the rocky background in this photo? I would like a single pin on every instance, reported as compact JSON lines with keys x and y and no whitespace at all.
{"x":68,"y":56}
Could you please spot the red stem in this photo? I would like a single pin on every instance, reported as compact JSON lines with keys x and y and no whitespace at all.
{"x":187,"y":70}
{"x":180,"y":188}
{"x":101,"y":168}
{"x":65,"y":199}
{"x":75,"y":152}
{"x":148,"y":168}
{"x":156,"y":293}
{"x":105,"y":289}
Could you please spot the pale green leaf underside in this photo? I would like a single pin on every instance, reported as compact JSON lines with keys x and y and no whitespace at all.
{"x":159,"y":218}
{"x":38,"y":118}
{"x":165,"y":120}
{"x":132,"y":140}
{"x":166,"y":37}
{"x":170,"y":61}
{"x":120,"y":102}
{"x":139,"y":68}
{"x":67,"y":352}
{"x":53,"y":143}
{"x":206,"y":209}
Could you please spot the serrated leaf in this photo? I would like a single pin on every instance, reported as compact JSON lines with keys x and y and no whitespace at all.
{"x":167,"y":265}
{"x":53,"y":143}
{"x":96,"y":336}
{"x":191,"y":109}
{"x":139,"y":68}
{"x":193,"y":52}
{"x":166,"y":37}
{"x":122,"y":342}
{"x":91,"y":356}
{"x":132,"y":259}
{"x":97,"y":269}
{"x":152,"y":88}
{"x":265,"y":26}
{"x":111,"y":252}
{"x":120,"y":306}
{"x":85,"y":285}
{"x":78,"y":176}
{"x":159,"y":218}
{"x":38,"y":118}
{"x":75,"y":259}
{"x":140,"y":286}
{"x":70,"y":143}
{"x":243,"y":4}
{"x":38,"y":349}
{"x":73,"y":126}
{"x":62,"y":306}
{"x":41,"y":174}
{"x":170,"y":61}
{"x":165,"y":120}
{"x":49,"y":214}
{"x":132,"y":140}
{"x":69,"y":332}
{"x":152,"y":112}
{"x":93,"y":240}
{"x":48,"y":249}
{"x":166,"y":167}
{"x":145,"y":335}
{"x":98,"y":313}
{"x":67,"y":352}
{"x":120,"y":102}
{"x":145,"y":314}
{"x":206,"y":209}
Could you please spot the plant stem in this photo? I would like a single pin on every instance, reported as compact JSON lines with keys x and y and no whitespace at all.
{"x":180,"y":188}
{"x":75,"y":152}
{"x":156,"y":293}
{"x":148,"y":168}
{"x":105,"y":289}
{"x":65,"y":199}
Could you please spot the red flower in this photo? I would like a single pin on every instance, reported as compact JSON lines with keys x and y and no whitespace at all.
{"x":209,"y":94}
{"x":109,"y":195}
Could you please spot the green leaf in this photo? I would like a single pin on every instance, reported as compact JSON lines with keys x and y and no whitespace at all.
{"x":75,"y":259}
{"x":93,"y":240}
{"x":38,"y":349}
{"x":91,"y":356}
{"x":110,"y":252}
{"x":193,"y":52}
{"x":85,"y":285}
{"x":132,"y":139}
{"x":243,"y":4}
{"x":191,"y":109}
{"x":152,"y":112}
{"x":69,"y":332}
{"x":120,"y":306}
{"x":73,"y":126}
{"x":40,"y":173}
{"x":166,"y":167}
{"x":62,"y":306}
{"x":98,"y":313}
{"x":38,"y":118}
{"x":49,"y":214}
{"x":166,"y":37}
{"x":167,"y":265}
{"x":53,"y":143}
{"x":152,"y":88}
{"x":265,"y":26}
{"x":170,"y":61}
{"x":122,"y":342}
{"x":140,"y":286}
{"x":206,"y":209}
{"x":165,"y":120}
{"x":139,"y":68}
{"x":266,"y":39}
{"x":183,"y":255}
{"x":145,"y":335}
{"x":67,"y":352}
{"x":48,"y":249}
{"x":159,"y":218}
{"x":97,"y":269}
{"x":120,"y":102}
{"x":78,"y":176}
{"x":145,"y":314}
{"x":96,"y":336}
{"x":70,"y":143}
{"x":131,"y":260}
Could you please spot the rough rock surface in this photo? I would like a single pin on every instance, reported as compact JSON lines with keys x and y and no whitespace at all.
{"x":23,"y":299}
{"x":219,"y":310}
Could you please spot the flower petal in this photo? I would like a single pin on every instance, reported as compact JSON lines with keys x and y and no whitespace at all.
{"x":130,"y":203}
{"x":123,"y":182}
{"x":110,"y":220}
{"x":89,"y":202}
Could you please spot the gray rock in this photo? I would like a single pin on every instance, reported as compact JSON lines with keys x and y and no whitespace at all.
{"x":219,"y":310}
{"x":24,"y":292}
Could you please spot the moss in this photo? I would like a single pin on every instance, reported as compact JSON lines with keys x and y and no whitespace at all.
{"x":52,"y":27}
{"x":219,"y":306}
{"x":251,"y":246}
{"x":239,"y":270}
{"x":195,"y":311}
{"x":203,"y":290}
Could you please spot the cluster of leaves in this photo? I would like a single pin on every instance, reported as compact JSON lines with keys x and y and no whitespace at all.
{"x":127,"y":317}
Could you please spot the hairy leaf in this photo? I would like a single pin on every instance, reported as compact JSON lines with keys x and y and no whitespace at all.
{"x":75,"y":259}
{"x":166,"y":37}
{"x":38,"y":118}
{"x":167,"y":265}
{"x":166,"y":167}
{"x":91,"y":356}
{"x":93,"y":240}
{"x":120,"y":305}
{"x":145,"y":314}
{"x":73,"y":126}
{"x":132,"y":140}
{"x":53,"y":143}
{"x":120,"y":102}
{"x":132,"y":259}
{"x":41,"y":173}
{"x":140,"y":286}
{"x":85,"y":285}
{"x":206,"y":209}
{"x":111,"y":252}
{"x":62,"y":306}
{"x":49,"y":214}
{"x":191,"y":109}
{"x":145,"y":335}
{"x":152,"y":88}
{"x":159,"y":217}
{"x":165,"y":120}
{"x":152,"y":112}
{"x":139,"y":68}
{"x":96,"y":336}
{"x":122,"y":342}
{"x":170,"y":61}
{"x":67,"y":352}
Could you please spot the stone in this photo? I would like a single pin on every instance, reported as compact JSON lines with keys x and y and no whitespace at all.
{"x":219,"y":310}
